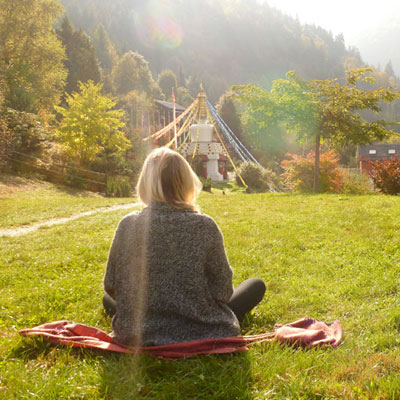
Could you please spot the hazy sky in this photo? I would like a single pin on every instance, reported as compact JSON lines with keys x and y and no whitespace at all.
{"x":353,"y":18}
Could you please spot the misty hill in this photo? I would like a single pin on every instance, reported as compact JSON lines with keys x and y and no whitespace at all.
{"x":218,"y":43}
{"x":379,"y":46}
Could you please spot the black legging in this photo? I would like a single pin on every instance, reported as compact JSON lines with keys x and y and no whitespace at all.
{"x":244,"y":298}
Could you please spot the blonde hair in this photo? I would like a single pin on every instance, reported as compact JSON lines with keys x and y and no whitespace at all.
{"x":167,"y":177}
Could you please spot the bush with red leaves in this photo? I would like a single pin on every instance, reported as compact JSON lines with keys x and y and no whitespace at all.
{"x":299,"y":172}
{"x":385,"y":174}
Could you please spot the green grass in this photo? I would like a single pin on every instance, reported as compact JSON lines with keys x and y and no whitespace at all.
{"x":325,"y":256}
{"x":227,"y":187}
{"x":45,"y":201}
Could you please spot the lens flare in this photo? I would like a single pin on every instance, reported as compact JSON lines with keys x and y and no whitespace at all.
{"x":156,"y":26}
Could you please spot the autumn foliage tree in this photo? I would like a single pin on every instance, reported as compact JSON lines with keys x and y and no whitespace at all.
{"x":90,"y":125}
{"x":299,"y":172}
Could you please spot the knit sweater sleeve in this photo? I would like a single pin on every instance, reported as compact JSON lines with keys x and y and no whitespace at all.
{"x":218,"y":271}
{"x":113,"y":257}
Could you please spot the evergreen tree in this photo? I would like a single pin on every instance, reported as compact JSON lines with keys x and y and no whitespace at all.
{"x":107,"y":82}
{"x":181,"y":77}
{"x":389,"y":69}
{"x":105,"y":50}
{"x":193,"y":85}
{"x":227,"y":110}
{"x":167,"y":81}
{"x":81,"y":62}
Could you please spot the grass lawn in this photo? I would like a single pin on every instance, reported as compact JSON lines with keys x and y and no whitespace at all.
{"x":26,"y":201}
{"x":324,"y":256}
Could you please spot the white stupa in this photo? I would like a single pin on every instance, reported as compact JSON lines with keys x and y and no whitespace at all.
{"x":203,"y":145}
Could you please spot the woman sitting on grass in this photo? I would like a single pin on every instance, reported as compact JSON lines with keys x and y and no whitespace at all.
{"x":168,"y":279}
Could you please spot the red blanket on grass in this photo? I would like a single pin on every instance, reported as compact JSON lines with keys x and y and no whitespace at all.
{"x":306,"y":332}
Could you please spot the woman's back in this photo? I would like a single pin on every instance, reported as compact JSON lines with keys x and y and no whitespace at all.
{"x":170,"y":278}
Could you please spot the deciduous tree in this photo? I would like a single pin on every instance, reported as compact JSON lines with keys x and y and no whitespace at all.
{"x":90,"y":124}
{"x":183,"y":97}
{"x":31,"y":55}
{"x":135,"y":104}
{"x":132,"y":72}
{"x":319,"y":110}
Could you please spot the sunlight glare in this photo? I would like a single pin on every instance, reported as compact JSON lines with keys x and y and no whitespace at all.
{"x":156,"y":26}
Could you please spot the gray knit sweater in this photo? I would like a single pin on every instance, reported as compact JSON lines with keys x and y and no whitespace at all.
{"x":169,"y":275}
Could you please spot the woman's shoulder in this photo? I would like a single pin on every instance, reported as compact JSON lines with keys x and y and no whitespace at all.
{"x":131,"y":216}
{"x":206,"y":221}
{"x":128,"y":219}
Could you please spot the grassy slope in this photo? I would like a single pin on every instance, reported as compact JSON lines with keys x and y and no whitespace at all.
{"x":328,"y":257}
{"x":26,"y":201}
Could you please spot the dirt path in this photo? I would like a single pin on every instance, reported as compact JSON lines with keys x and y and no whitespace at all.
{"x":56,"y":221}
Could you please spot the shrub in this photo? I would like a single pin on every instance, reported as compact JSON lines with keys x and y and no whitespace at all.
{"x":74,"y":178}
{"x":385,"y":174}
{"x":299,"y":172}
{"x":23,"y":133}
{"x":6,"y":140}
{"x":356,"y":184}
{"x":29,"y":135}
{"x":207,"y":183}
{"x":272,"y":178}
{"x":197,"y":165}
{"x":257,"y":178}
{"x":118,"y":187}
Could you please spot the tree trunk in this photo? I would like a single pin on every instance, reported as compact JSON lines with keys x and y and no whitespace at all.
{"x":316,"y":163}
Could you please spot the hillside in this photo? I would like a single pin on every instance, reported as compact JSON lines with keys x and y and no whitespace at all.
{"x":26,"y":201}
{"x":379,"y":46}
{"x":217,"y":43}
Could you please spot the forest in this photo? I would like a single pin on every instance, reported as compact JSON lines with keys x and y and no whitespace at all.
{"x":216,"y":43}
{"x":62,"y":60}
